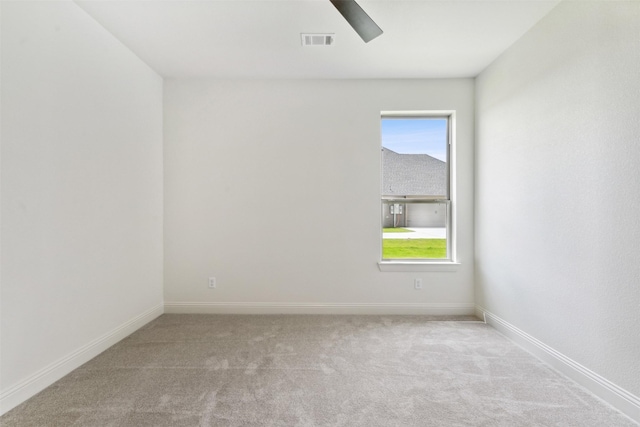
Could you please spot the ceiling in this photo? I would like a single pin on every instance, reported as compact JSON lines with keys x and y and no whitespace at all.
{"x":261,"y":38}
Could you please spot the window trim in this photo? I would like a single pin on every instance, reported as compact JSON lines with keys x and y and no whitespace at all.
{"x":427,"y":264}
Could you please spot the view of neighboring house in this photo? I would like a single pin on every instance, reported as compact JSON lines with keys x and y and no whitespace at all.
{"x":410,"y":176}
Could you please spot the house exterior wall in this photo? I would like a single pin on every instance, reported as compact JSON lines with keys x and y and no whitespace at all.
{"x":415,"y":215}
{"x":426,"y":215}
{"x":390,"y":220}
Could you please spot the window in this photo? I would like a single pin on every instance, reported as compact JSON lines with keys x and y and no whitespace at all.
{"x":416,"y":187}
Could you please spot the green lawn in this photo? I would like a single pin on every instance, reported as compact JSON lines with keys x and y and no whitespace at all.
{"x":414,"y":248}
{"x":396,"y":230}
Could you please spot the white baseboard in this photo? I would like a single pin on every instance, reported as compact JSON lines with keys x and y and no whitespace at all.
{"x":619,"y":398}
{"x":43,"y":378}
{"x":318,"y":308}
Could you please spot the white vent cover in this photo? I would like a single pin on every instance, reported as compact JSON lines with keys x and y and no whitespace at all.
{"x":317,"y":39}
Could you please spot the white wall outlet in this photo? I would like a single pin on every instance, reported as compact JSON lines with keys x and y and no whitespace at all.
{"x":417,"y":283}
{"x":212,"y":282}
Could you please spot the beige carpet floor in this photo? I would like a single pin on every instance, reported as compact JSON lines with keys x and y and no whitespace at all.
{"x":228,"y":370}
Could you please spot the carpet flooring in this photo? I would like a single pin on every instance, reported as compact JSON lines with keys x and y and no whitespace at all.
{"x":233,"y":370}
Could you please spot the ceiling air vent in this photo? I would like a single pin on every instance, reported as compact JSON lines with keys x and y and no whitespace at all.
{"x":317,"y":39}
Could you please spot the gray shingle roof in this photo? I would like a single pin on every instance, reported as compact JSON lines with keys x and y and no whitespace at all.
{"x":412,"y":175}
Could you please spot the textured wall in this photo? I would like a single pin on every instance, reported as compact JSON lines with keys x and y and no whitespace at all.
{"x":558,"y":186}
{"x":81,"y":185}
{"x":274,"y":188}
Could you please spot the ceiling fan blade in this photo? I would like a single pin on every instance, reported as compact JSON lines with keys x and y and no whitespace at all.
{"x":358,"y":19}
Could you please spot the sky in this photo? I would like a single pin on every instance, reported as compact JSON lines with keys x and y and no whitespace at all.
{"x":416,"y":136}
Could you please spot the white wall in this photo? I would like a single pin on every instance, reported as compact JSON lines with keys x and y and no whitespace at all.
{"x":273,"y":187}
{"x":558,"y":187}
{"x":81,"y":193}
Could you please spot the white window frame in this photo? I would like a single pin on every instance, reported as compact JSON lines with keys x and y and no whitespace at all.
{"x":425,"y":264}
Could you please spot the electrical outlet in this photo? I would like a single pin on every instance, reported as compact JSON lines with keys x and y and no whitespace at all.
{"x":212,"y":282}
{"x":417,"y":283}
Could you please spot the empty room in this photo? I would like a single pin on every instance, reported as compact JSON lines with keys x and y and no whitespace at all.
{"x":320,"y":213}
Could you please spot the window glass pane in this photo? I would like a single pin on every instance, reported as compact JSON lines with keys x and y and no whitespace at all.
{"x":414,"y":165}
{"x":419,"y":230}
{"x":414,"y":157}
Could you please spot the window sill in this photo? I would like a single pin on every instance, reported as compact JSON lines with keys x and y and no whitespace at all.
{"x":409,"y":266}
